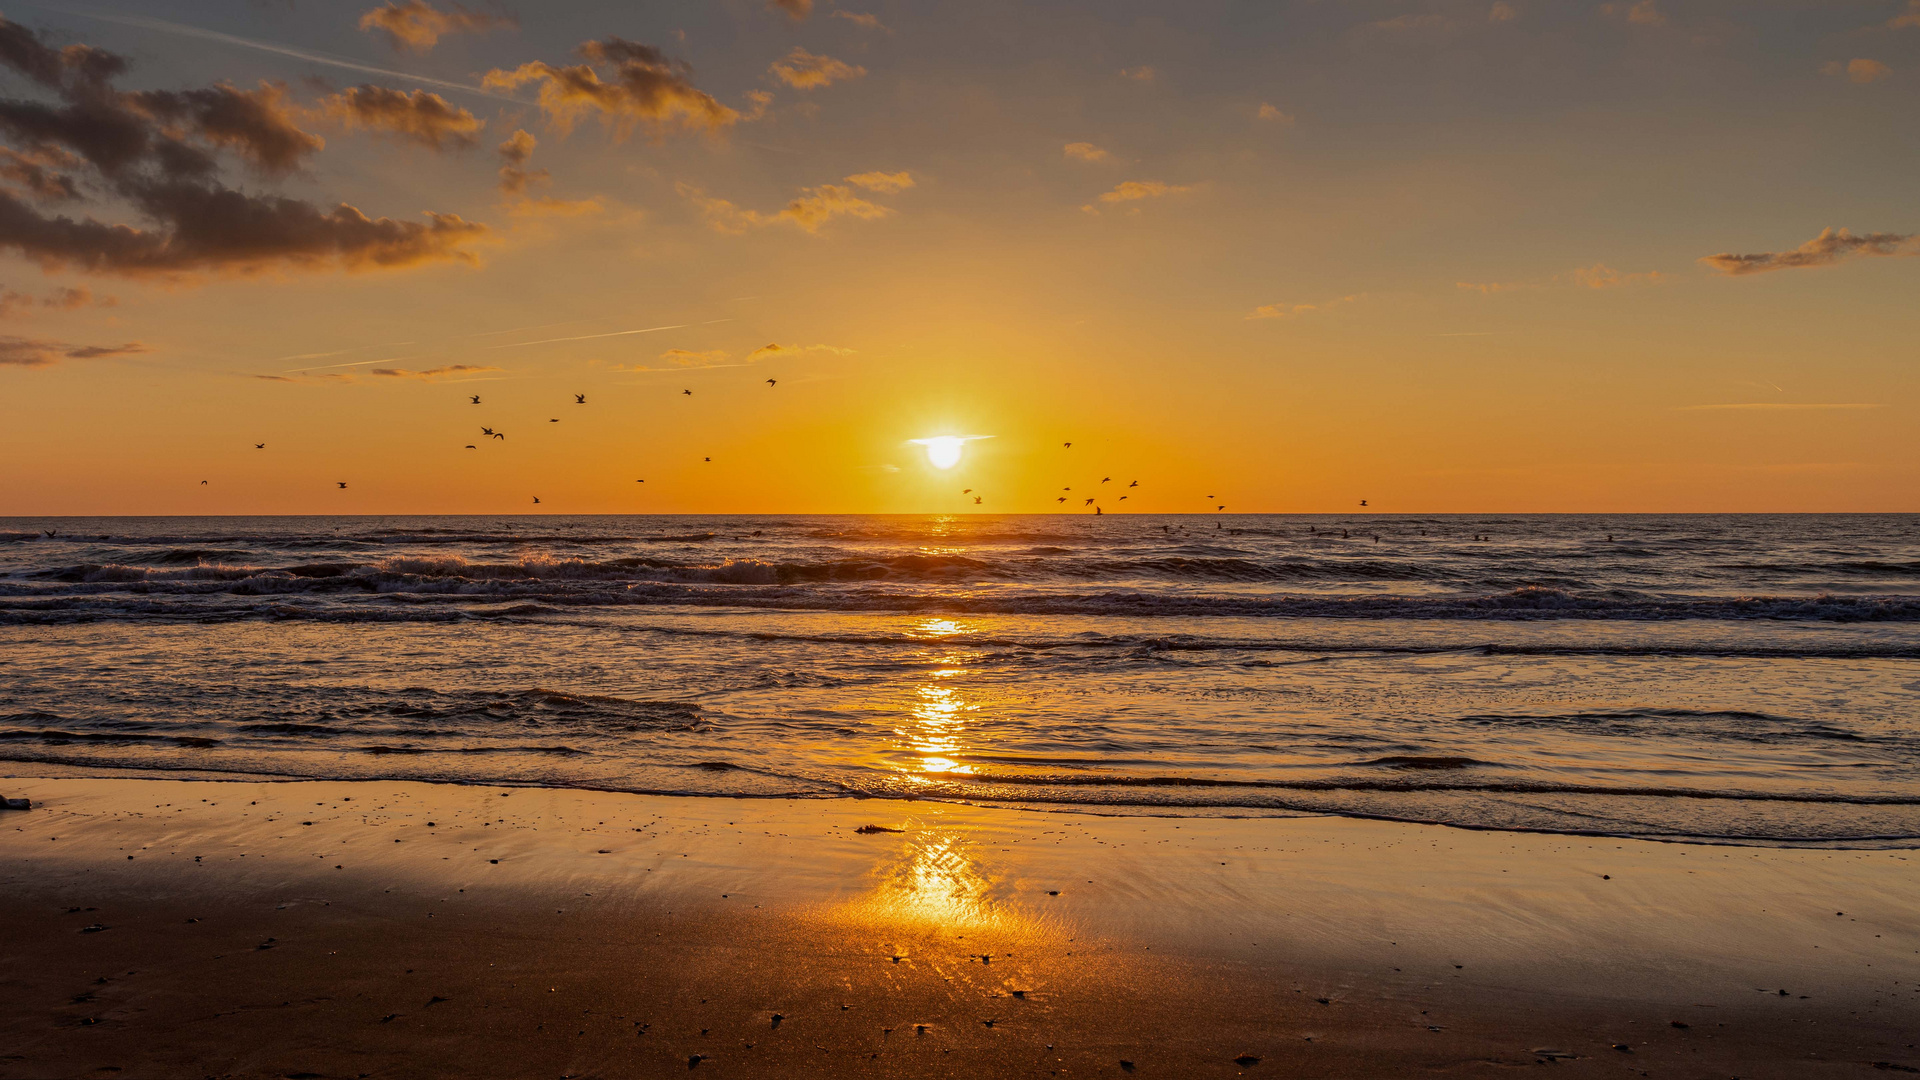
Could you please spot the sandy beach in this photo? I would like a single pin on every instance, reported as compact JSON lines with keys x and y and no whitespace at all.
{"x":188,"y":928}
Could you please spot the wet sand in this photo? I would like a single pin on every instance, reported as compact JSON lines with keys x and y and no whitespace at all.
{"x":187,"y":928}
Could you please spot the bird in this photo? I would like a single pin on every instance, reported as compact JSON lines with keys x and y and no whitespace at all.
{"x":976,"y":500}
{"x":1067,"y":445}
{"x":773,"y":382}
{"x":1066,"y":489}
{"x":1136,"y":483}
{"x":706,"y":459}
{"x":203,"y":483}
{"x":579,"y":399}
{"x":1097,"y":510}
{"x":1089,"y":502}
{"x":342,"y":483}
{"x":689,"y":393}
{"x":259,"y":446}
{"x":553,"y":421}
{"x":497,"y":435}
{"x":966,"y":491}
{"x":1219,"y":508}
{"x":639,"y":481}
{"x":536,"y":500}
{"x":475,"y":398}
{"x":470,"y":446}
{"x":1062,"y":498}
{"x":1104,"y":479}
{"x":1363,"y":502}
{"x":1123,"y":498}
{"x":486,"y":431}
{"x":1210,"y":497}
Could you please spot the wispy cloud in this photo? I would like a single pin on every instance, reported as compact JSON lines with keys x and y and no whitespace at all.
{"x":859,"y":18}
{"x":1084,"y":151}
{"x":1136,"y":190}
{"x":1859,"y":70}
{"x":1778,"y":406}
{"x":1288,"y":311}
{"x":1597,"y":276}
{"x":1143,"y":73}
{"x":811,"y":209}
{"x":28,"y":352}
{"x":415,"y":26}
{"x":1831,"y":246}
{"x":1273,"y":114}
{"x":803,"y":70}
{"x":590,"y":337}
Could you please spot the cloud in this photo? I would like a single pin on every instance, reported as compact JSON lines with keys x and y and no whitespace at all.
{"x":1858,"y":71}
{"x":36,"y":174}
{"x":1597,"y":276}
{"x":60,"y":299}
{"x":1288,"y":311}
{"x":416,"y":116}
{"x":1773,"y":406}
{"x":642,"y":88}
{"x":1135,"y":190}
{"x":1085,"y":151}
{"x":27,"y":352}
{"x":156,"y":152}
{"x":689,"y":358}
{"x":795,"y":9}
{"x":516,"y":152}
{"x":871,"y":22}
{"x":430,"y":373}
{"x":1143,"y":73}
{"x":414,"y":26}
{"x":886,"y":183}
{"x":1643,"y":13}
{"x":777,"y":350}
{"x":1502,"y":12}
{"x":1911,"y":19}
{"x":803,"y":70}
{"x":1273,"y":113}
{"x":1831,"y":246}
{"x":812,"y":208}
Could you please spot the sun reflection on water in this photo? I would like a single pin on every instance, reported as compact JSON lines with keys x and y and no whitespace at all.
{"x":934,"y":880}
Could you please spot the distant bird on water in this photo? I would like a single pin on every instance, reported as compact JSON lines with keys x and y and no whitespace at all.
{"x":579,"y":399}
{"x":553,"y":421}
{"x":639,"y":481}
{"x":475,"y":398}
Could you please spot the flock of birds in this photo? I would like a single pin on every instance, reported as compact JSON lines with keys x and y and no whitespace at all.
{"x":581,"y":399}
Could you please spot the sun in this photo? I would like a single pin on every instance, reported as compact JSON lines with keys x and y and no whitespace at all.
{"x":943,"y":452}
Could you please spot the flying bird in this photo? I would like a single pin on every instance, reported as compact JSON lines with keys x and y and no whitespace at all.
{"x":486,"y":431}
{"x":1067,"y":445}
{"x":259,"y":446}
{"x":579,"y":399}
{"x":203,"y":483}
{"x":342,"y":483}
{"x":470,"y":446}
{"x":1219,"y":508}
{"x":772,"y":382}
{"x":553,"y":421}
{"x":1123,"y":498}
{"x":976,"y":500}
{"x":689,"y":393}
{"x":1089,"y":502}
{"x":1136,"y":483}
{"x":497,"y":435}
{"x":1104,"y":479}
{"x":1062,"y":498}
{"x":475,"y":398}
{"x":706,"y":459}
{"x":536,"y":500}
{"x":966,"y":491}
{"x":1363,"y":502}
{"x":639,"y":481}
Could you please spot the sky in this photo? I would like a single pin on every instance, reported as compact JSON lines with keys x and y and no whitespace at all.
{"x":1472,"y":256}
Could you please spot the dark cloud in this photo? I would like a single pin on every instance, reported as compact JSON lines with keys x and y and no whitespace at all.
{"x":27,"y":352}
{"x":1831,"y":246}
{"x":415,"y":116}
{"x":156,"y":153}
{"x":416,"y":26}
{"x":641,"y":86}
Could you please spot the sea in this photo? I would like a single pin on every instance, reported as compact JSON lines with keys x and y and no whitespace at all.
{"x":1741,"y":679}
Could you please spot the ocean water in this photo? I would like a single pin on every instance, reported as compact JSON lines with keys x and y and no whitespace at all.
{"x":1745,"y":679}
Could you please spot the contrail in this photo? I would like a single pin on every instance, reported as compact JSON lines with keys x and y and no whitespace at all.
{"x":359,"y":363}
{"x":145,"y":23}
{"x":588,"y":337}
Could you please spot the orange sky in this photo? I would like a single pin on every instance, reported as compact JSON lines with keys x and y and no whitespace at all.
{"x":1517,"y":256}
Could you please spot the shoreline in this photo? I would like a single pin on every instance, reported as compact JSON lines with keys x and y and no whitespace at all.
{"x":1324,"y":946}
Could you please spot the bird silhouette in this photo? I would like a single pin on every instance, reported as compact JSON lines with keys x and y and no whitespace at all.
{"x":1097,"y":511}
{"x":966,"y":491}
{"x":487,"y":431}
{"x":1089,"y":502}
{"x":639,"y":481}
{"x":1219,"y":508}
{"x":1123,"y":498}
{"x":689,"y":393}
{"x":497,"y":435}
{"x":1067,"y":445}
{"x":1363,"y":502}
{"x":976,"y":500}
{"x":1136,"y":483}
{"x":553,"y":421}
{"x":579,"y":399}
{"x":475,"y":398}
{"x":772,"y":382}
{"x":203,"y":483}
{"x":342,"y":483}
{"x":1104,"y":479}
{"x":706,"y":459}
{"x":536,"y":500}
{"x":1062,"y":498}
{"x":259,"y":446}
{"x":470,"y":446}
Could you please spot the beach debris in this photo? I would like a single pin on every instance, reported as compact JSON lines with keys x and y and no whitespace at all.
{"x":1247,"y":1060}
{"x":1681,"y":1024}
{"x":777,"y":1018}
{"x":695,"y":1059}
{"x":16,"y":804}
{"x":1623,"y":1048}
{"x":93,"y":928}
{"x":1021,"y":994}
{"x":1553,"y":1055}
{"x":437,"y":999}
{"x":865,"y":830}
{"x":1323,"y":1001}
{"x":1891,"y":1066}
{"x":1053,"y":892}
{"x":389,"y":1018}
{"x":1125,"y":1065}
